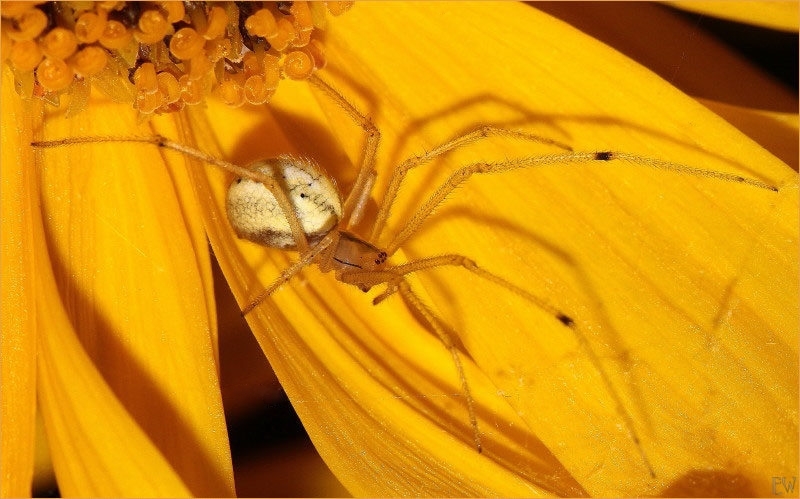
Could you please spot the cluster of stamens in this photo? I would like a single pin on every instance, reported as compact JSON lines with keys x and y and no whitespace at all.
{"x":163,"y":55}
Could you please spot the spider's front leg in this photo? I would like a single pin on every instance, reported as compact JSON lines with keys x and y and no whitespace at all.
{"x":354,"y":202}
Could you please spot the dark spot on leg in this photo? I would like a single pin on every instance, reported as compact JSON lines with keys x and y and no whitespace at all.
{"x":565,"y":319}
{"x":604,"y":156}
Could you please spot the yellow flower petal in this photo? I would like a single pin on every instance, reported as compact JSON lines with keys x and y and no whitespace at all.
{"x":18,"y":338}
{"x":659,"y":257}
{"x":776,"y":132}
{"x":678,"y":283}
{"x":133,"y":277}
{"x":98,"y":449}
{"x":88,"y":446}
{"x":675,"y":280}
{"x":775,"y":15}
{"x":138,"y":290}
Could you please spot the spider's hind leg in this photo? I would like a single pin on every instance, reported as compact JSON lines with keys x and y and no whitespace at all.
{"x":401,"y":286}
{"x":441,"y":330}
{"x":365,"y":279}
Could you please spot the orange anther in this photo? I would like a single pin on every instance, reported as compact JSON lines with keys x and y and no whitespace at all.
{"x":148,"y":102}
{"x":302,"y":16}
{"x":15,"y":9}
{"x":302,"y":38}
{"x":25,"y":55}
{"x":54,"y":74}
{"x":27,"y":25}
{"x":192,"y":91}
{"x":256,"y":90}
{"x":110,"y":5}
{"x":89,"y":61}
{"x":252,"y":64}
{"x":337,"y":8}
{"x":231,"y":93}
{"x":115,"y":35}
{"x":145,"y":78}
{"x":284,"y":35}
{"x":217,"y":22}
{"x":186,"y":44}
{"x":262,"y":23}
{"x":175,"y":11}
{"x":152,"y":27}
{"x":298,"y":65}
{"x":168,"y":87}
{"x":89,"y":27}
{"x":59,"y":43}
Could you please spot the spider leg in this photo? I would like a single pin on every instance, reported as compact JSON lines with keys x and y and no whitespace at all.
{"x":400,"y":171}
{"x":354,"y":203}
{"x":368,"y":278}
{"x":398,"y":285}
{"x":305,"y":259}
{"x":564,"y":159}
{"x":164,"y":143}
{"x":441,"y":331}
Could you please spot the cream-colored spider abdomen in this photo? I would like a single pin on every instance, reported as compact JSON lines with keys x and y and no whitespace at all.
{"x":254,"y":212}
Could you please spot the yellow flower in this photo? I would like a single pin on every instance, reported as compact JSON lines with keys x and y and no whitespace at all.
{"x":106,"y":326}
{"x":682,"y":286}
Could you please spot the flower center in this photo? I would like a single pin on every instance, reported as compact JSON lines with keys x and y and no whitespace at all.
{"x":161,"y":56}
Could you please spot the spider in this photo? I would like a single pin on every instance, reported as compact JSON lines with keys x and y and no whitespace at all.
{"x":290,"y":203}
